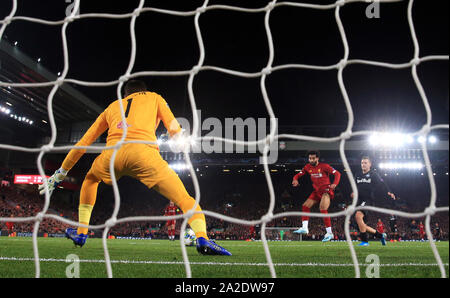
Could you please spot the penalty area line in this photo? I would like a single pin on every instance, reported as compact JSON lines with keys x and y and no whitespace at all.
{"x":216,"y":263}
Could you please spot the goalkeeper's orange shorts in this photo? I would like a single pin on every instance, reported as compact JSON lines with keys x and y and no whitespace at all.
{"x":143,"y":163}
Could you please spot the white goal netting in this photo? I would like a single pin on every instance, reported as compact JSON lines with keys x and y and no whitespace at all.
{"x":266,"y":142}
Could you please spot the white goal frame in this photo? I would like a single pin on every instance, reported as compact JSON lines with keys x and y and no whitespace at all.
{"x":266,"y":142}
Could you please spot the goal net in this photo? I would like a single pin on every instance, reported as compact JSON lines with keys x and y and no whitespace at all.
{"x":265,"y":142}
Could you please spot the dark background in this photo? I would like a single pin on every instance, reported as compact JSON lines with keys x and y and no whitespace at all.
{"x":99,"y":50}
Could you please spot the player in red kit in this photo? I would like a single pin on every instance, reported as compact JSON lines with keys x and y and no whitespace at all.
{"x":421,"y":231}
{"x":380,"y":226}
{"x":10,"y":227}
{"x":171,"y":210}
{"x":323,"y":191}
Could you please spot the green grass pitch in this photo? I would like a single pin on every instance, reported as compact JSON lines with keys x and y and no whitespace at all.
{"x":163,"y":259}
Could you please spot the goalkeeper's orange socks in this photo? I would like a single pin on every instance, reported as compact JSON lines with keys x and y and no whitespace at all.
{"x":199,"y":227}
{"x":197,"y":222}
{"x":84,"y":216}
{"x":88,"y":196}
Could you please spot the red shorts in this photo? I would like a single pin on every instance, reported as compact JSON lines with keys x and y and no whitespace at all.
{"x":171,"y":222}
{"x":317,"y":194}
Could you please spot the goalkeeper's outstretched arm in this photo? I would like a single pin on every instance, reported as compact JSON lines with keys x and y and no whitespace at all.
{"x":93,"y":133}
{"x":166,"y":116}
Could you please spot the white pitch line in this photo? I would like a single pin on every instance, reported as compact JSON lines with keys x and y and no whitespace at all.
{"x":218,"y":264}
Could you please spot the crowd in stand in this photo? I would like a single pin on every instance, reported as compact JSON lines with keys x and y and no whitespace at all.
{"x":238,"y":204}
{"x":17,"y":204}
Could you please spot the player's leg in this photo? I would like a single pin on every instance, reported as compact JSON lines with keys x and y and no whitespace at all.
{"x":364,"y":230}
{"x":172,"y":188}
{"x":88,"y":195}
{"x":147,"y":165}
{"x":168,"y":228}
{"x":324,"y":205}
{"x":359,"y":217}
{"x":309,"y":203}
{"x":172,"y":231}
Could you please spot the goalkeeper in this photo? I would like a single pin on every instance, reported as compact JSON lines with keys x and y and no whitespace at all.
{"x":144,"y":111}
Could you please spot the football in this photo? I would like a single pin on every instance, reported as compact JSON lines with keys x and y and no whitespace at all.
{"x":189,"y":238}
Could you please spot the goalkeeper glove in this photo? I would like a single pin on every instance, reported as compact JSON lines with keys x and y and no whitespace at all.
{"x":53,"y":181}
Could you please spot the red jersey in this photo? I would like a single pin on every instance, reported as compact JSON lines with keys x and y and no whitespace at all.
{"x":421,"y":229}
{"x":380,"y":227}
{"x":320,"y":175}
{"x":170,"y":210}
{"x":10,"y":225}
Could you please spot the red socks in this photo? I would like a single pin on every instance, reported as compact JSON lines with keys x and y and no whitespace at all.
{"x":305,"y":209}
{"x":326,"y":220}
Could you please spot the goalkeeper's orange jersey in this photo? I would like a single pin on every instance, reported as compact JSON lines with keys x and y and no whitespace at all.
{"x":143,"y":113}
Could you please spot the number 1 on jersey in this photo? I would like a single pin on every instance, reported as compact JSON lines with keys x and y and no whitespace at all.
{"x":128,"y":107}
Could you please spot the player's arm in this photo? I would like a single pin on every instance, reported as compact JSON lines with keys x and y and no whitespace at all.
{"x":298,"y":176}
{"x":166,"y":116}
{"x":336,"y":174}
{"x":383,"y":185}
{"x":93,"y":133}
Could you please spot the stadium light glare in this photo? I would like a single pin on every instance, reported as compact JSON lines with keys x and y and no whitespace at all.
{"x":179,"y":166}
{"x":8,"y":112}
{"x":409,"y":139}
{"x":401,"y":166}
{"x":397,"y":140}
{"x":433,"y":139}
{"x":374,"y":140}
{"x":388,"y":139}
